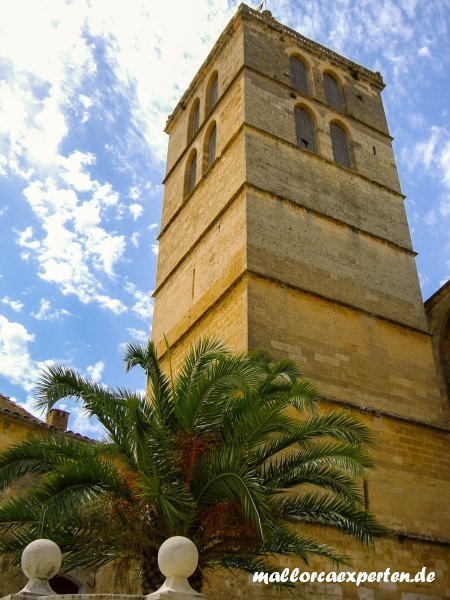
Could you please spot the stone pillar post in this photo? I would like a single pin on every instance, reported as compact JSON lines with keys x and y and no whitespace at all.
{"x":177,"y":560}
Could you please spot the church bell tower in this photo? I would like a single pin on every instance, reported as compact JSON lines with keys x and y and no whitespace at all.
{"x":284,"y":228}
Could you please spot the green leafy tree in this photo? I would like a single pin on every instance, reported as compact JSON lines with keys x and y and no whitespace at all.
{"x":230,"y":452}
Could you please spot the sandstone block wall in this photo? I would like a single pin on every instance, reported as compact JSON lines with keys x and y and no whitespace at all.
{"x":305,"y":178}
{"x":225,"y":320}
{"x":206,"y":271}
{"x":306,"y":250}
{"x":351,"y":356}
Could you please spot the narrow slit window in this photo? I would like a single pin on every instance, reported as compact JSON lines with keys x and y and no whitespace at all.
{"x":299,"y":75}
{"x":305,"y":130}
{"x":212,"y":146}
{"x":191,"y":174}
{"x":333,"y":92}
{"x":341,"y":151}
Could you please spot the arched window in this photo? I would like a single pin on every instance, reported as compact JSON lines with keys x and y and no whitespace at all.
{"x":194,"y":118}
{"x":212,"y":91}
{"x":211,"y":146}
{"x":191,"y":174}
{"x":305,"y":129}
{"x":299,"y":75}
{"x":333,"y":92}
{"x":341,"y":151}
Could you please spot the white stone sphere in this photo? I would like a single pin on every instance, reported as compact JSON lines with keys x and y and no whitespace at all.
{"x":177,"y":557}
{"x":41,"y":559}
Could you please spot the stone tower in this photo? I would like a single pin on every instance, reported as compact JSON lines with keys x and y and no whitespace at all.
{"x":284,"y":228}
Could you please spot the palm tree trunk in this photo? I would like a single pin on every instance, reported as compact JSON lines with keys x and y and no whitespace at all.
{"x":151,"y":577}
{"x":196,"y":580}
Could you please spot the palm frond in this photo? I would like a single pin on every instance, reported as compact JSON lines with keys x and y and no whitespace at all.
{"x":224,"y":476}
{"x":158,"y":386}
{"x":281,"y":476}
{"x":331,"y":510}
{"x":349,"y":458}
{"x":41,"y":453}
{"x":255,"y":421}
{"x":201,"y":404}
{"x":287,"y":542}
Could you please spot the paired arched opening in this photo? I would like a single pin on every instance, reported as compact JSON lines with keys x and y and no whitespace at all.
{"x":194,"y":119}
{"x":212,"y":92}
{"x":340,"y":144}
{"x":190,"y":178}
{"x":333,"y":92}
{"x":299,"y":74}
{"x":210,"y":146}
{"x":305,"y":129}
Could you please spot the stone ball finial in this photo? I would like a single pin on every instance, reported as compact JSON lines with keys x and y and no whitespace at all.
{"x":41,"y":559}
{"x":177,"y":557}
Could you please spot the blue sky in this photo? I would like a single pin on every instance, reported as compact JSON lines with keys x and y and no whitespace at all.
{"x":85,"y":89}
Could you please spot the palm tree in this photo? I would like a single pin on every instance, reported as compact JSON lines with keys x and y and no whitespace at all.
{"x":226,"y":452}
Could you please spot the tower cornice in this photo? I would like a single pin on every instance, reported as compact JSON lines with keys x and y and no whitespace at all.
{"x":266,"y":19}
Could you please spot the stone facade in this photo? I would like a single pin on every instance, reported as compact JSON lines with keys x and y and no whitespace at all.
{"x":281,"y":248}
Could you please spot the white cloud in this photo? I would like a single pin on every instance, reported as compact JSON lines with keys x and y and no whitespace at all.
{"x":95,"y":371}
{"x":153,"y":226}
{"x":142,"y":44}
{"x":434,"y":154}
{"x":16,"y":305}
{"x":16,"y":363}
{"x":135,"y":239}
{"x":80,"y":423}
{"x":138,"y":334}
{"x":74,"y":251}
{"x":136,"y":210}
{"x":424,"y":51}
{"x":143,"y":306}
{"x":86,"y":103}
{"x":134,"y":193}
{"x":46,"y":312}
{"x":39,"y":83}
{"x":155,"y":249}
